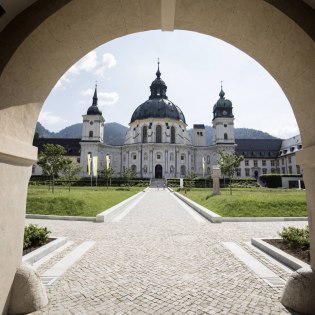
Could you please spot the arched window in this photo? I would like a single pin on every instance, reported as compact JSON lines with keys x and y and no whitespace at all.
{"x":172,"y":134}
{"x":158,"y":131}
{"x":91,"y":134}
{"x":144,"y":134}
{"x":225,"y":136}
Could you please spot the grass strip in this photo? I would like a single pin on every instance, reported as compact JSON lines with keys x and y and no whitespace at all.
{"x":80,"y":201}
{"x":252,"y":202}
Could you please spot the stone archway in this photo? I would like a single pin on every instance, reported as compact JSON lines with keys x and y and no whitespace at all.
{"x":43,"y":41}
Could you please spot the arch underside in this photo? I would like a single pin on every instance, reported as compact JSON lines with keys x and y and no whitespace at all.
{"x":46,"y":39}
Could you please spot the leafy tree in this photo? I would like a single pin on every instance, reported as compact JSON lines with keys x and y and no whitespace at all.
{"x":229,"y":163}
{"x":108,"y":173}
{"x":52,"y":161}
{"x":191,"y":176}
{"x":128,"y":174}
{"x":70,"y":170}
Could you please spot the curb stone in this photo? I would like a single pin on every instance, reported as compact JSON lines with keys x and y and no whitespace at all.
{"x":278,"y":254}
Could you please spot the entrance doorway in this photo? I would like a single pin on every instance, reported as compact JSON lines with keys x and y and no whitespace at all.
{"x":158,"y":171}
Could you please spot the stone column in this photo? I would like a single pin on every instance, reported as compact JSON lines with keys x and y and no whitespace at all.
{"x":299,"y":292}
{"x":151,"y":162}
{"x":216,"y":173}
{"x":166,"y":163}
{"x":17,"y":156}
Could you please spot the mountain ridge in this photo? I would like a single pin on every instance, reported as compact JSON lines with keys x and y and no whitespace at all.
{"x":114,"y":133}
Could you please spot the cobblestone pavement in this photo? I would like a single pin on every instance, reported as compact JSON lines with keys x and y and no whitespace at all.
{"x":159,"y":260}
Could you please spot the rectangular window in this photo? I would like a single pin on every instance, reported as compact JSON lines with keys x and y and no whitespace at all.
{"x":283,"y":170}
{"x":282,"y":161}
{"x":263,"y":162}
{"x":158,"y":156}
{"x":264,"y":170}
{"x":247,"y":172}
{"x":255,"y":163}
{"x":298,"y":169}
{"x":238,"y":172}
{"x":289,"y":159}
{"x":246,"y":163}
{"x":273,"y":171}
{"x":290,"y":169}
{"x":272,"y":163}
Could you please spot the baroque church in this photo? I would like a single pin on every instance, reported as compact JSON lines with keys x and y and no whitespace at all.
{"x":157,"y":143}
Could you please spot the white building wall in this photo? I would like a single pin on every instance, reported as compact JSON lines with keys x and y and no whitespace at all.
{"x":94,"y":124}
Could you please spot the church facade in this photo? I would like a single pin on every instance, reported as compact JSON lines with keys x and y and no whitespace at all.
{"x":157,"y":143}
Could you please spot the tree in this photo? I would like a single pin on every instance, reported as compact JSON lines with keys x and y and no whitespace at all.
{"x":128,"y":174}
{"x":70,"y":170}
{"x":108,"y":173}
{"x":52,"y":161}
{"x":229,"y":163}
{"x":190,"y":177}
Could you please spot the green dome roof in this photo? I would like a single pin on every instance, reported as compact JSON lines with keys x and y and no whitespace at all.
{"x":158,"y":105}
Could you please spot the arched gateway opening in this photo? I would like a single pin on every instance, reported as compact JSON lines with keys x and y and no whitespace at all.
{"x":35,"y":55}
{"x":158,"y":171}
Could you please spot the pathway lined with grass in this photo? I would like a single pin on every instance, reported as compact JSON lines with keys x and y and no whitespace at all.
{"x":157,"y":258}
{"x":252,"y":202}
{"x":80,"y":201}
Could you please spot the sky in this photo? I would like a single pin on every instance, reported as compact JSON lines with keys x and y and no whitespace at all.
{"x":192,"y":66}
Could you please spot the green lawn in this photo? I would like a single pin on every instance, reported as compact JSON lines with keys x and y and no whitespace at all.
{"x":80,"y":201}
{"x":252,"y":202}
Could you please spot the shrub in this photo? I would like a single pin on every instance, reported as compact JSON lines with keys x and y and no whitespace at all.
{"x":296,"y":238}
{"x":35,"y":236}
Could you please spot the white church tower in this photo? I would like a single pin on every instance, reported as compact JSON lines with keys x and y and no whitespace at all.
{"x":93,"y":122}
{"x":223,"y":121}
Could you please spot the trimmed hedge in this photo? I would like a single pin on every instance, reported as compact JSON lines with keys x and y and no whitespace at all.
{"x":86,"y":181}
{"x":275,"y":180}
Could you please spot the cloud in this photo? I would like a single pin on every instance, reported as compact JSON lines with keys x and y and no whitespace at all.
{"x":104,"y":98}
{"x":49,"y":119}
{"x":88,"y":92}
{"x":108,"y":61}
{"x":62,"y":81}
{"x":107,"y":98}
{"x":88,"y":63}
{"x":92,"y":64}
{"x":284,"y":131}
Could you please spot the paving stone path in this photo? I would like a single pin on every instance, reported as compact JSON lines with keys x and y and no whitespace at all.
{"x":158,"y":259}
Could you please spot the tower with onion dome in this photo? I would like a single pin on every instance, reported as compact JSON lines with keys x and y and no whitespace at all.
{"x":93,"y":122}
{"x":223,"y":121}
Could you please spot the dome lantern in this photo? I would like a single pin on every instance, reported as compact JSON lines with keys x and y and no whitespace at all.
{"x":158,"y":105}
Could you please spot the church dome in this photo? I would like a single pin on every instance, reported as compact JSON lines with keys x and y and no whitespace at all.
{"x":158,"y":108}
{"x":158,"y":105}
{"x":93,"y":109}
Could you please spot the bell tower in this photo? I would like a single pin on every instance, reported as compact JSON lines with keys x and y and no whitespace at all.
{"x":223,"y":121}
{"x":93,"y":122}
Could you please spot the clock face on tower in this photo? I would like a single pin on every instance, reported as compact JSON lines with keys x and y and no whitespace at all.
{"x":224,"y":112}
